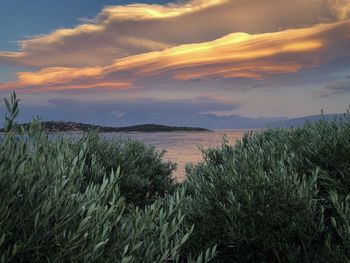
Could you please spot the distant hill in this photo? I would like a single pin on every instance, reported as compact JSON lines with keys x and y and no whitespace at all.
{"x":61,"y":126}
{"x":158,"y":128}
{"x":213,"y":121}
{"x":298,"y":121}
{"x":209,"y":121}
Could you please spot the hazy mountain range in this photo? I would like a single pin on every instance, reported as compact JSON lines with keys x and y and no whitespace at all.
{"x":299,"y":121}
{"x":212,"y":121}
{"x":61,"y":126}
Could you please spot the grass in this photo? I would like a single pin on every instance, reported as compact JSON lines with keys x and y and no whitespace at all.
{"x":279,"y":195}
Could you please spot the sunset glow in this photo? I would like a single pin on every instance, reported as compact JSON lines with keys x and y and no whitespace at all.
{"x":168,"y":50}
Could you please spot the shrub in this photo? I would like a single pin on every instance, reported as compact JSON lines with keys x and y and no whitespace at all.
{"x":268,"y":197}
{"x":52,"y":210}
{"x":144,"y":175}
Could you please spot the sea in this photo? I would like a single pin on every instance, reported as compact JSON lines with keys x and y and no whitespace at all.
{"x":181,"y":147}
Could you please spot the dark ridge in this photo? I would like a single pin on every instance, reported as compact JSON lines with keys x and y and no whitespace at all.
{"x":62,"y":126}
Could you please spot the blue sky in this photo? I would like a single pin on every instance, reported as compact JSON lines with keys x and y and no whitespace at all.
{"x":24,"y":19}
{"x":270,"y":58}
{"x":21,"y":19}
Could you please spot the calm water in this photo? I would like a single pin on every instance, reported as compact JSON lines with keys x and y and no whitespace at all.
{"x":181,"y":147}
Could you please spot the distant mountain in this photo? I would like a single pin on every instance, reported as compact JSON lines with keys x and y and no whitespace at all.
{"x":184,"y":123}
{"x":61,"y":126}
{"x":158,"y":128}
{"x":298,"y":121}
{"x":213,"y":121}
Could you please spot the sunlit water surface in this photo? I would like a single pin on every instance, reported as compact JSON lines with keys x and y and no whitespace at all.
{"x":181,"y":147}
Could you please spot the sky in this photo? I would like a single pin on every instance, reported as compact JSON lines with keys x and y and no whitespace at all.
{"x":126,"y":62}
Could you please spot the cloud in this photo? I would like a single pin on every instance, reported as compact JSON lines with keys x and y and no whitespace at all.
{"x":341,"y":8}
{"x":336,"y":88}
{"x":237,"y":55}
{"x":122,"y":31}
{"x":129,"y":111}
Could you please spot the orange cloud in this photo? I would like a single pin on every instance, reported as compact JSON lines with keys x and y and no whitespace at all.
{"x":237,"y":55}
{"x":57,"y":75}
{"x":122,"y":31}
{"x":145,"y":11}
{"x":341,"y":8}
{"x":59,"y":78}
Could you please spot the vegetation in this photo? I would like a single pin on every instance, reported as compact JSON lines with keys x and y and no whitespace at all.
{"x":280,"y":195}
{"x":64,"y":201}
{"x":61,"y":126}
{"x":144,"y":176}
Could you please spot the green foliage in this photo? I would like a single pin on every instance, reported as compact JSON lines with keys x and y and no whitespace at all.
{"x":13,"y":110}
{"x":52,"y":211}
{"x":144,"y":175}
{"x":280,"y":195}
{"x":56,"y":207}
